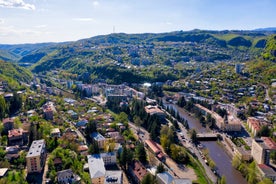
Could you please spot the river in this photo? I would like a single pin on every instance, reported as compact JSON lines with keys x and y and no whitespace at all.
{"x":216,"y":152}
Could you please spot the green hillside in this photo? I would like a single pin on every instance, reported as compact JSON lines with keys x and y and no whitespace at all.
{"x":270,"y":49}
{"x":264,"y":68}
{"x":14,"y":74}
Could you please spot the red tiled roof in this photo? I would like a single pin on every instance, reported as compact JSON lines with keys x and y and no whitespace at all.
{"x":269,"y":143}
{"x":152,"y":146}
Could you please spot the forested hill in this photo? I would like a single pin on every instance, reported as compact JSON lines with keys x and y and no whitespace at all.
{"x":264,"y":68}
{"x":14,"y":74}
{"x":270,"y":49}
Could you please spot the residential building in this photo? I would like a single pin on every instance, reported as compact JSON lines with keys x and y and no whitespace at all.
{"x":15,"y":137}
{"x":154,"y":110}
{"x":113,"y":177}
{"x":164,"y":178}
{"x":96,"y":169}
{"x":167,"y":178}
{"x":138,"y":171}
{"x":3,"y":172}
{"x":67,"y":176}
{"x":242,"y":153}
{"x":254,"y":125}
{"x":99,"y":139}
{"x":238,"y":68}
{"x":83,"y":150}
{"x":261,"y":149}
{"x":36,"y":156}
{"x":182,"y":181}
{"x":109,"y":158}
{"x":55,"y":133}
{"x":267,"y":172}
{"x":154,"y":148}
{"x":8,"y":124}
{"x":48,"y":114}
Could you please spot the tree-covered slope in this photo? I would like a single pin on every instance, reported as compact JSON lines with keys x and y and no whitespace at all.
{"x":14,"y":74}
{"x":270,"y":49}
{"x":264,"y":68}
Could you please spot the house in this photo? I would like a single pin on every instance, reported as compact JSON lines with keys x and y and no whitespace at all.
{"x":3,"y":172}
{"x":155,"y":149}
{"x":67,"y":177}
{"x":164,"y":178}
{"x":15,"y":137}
{"x":98,"y":138}
{"x":154,"y":110}
{"x":81,"y":123}
{"x":8,"y":124}
{"x":267,"y":172}
{"x":96,"y":169}
{"x":138,"y":171}
{"x":113,"y":177}
{"x":36,"y":156}
{"x":57,"y":163}
{"x":83,"y":150}
{"x":167,"y":178}
{"x":55,"y":133}
{"x":49,"y":110}
{"x":48,"y":114}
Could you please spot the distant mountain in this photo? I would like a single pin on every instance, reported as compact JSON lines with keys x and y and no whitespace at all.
{"x":16,"y":52}
{"x":269,"y":29}
{"x":129,"y":53}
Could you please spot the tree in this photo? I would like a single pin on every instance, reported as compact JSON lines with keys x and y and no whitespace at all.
{"x":252,"y":175}
{"x":140,"y":153}
{"x":148,"y":179}
{"x":181,"y":102}
{"x":2,"y":107}
{"x":236,"y":162}
{"x":264,"y":131}
{"x":160,"y":168}
{"x":90,"y":127}
{"x":193,"y":136}
{"x":266,"y":181}
{"x":222,"y":180}
{"x":94,"y":147}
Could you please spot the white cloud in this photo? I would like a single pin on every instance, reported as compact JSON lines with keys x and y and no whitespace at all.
{"x":84,"y":19}
{"x":2,"y":21}
{"x":40,"y":26}
{"x":96,"y":3}
{"x":16,"y":4}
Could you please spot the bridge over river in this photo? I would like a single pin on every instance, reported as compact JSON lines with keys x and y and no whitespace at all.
{"x":207,"y":136}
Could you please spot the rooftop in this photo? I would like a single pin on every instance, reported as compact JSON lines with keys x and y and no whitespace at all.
{"x":3,"y":171}
{"x":15,"y":133}
{"x":165,"y":177}
{"x":152,"y":146}
{"x":96,"y":166}
{"x":266,"y":169}
{"x":113,"y":177}
{"x":97,"y":136}
{"x":36,"y":148}
{"x":139,"y":170}
{"x":153,"y":110}
{"x":55,"y":131}
{"x":269,"y":143}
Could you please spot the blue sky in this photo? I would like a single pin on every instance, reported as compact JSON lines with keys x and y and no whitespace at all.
{"x":32,"y":21}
